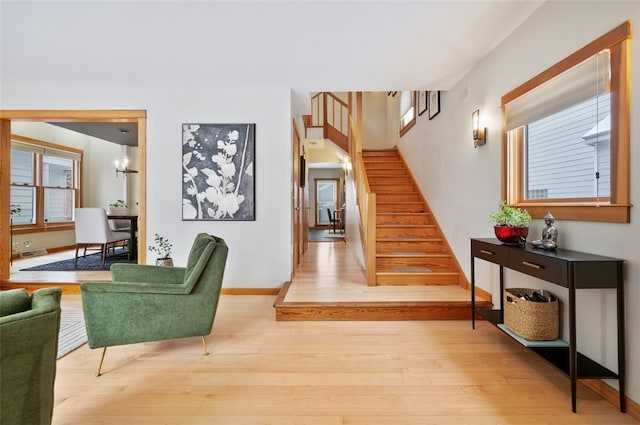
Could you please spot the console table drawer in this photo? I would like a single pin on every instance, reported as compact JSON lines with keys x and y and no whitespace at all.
{"x":489,"y":252}
{"x":546,"y":268}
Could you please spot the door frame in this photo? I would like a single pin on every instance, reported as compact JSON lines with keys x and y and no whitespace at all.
{"x":7,"y":116}
{"x":337,"y":198}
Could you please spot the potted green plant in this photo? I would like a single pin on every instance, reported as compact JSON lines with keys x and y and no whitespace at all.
{"x":119,"y":207}
{"x":510,"y":223}
{"x":163,"y":248}
{"x":118,"y":204}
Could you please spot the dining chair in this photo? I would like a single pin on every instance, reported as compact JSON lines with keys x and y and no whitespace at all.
{"x":119,"y":225}
{"x":332,"y":220}
{"x":92,"y":228}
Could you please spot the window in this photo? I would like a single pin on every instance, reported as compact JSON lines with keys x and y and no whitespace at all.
{"x":566,"y":139}
{"x":407,"y":111}
{"x":44,"y":183}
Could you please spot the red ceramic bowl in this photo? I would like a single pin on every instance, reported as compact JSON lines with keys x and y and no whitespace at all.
{"x":510,"y":235}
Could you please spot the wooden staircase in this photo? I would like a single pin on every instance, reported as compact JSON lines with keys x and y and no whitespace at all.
{"x":410,"y":247}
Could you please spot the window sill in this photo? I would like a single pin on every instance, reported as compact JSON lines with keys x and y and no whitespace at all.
{"x":580,"y":212}
{"x":27,"y":229}
{"x":407,"y":127}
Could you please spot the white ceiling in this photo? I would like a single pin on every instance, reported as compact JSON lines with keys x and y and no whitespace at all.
{"x":304,"y":45}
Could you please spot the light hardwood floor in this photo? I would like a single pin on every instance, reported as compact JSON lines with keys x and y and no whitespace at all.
{"x":262,"y":371}
{"x":329,"y":273}
{"x":265,"y":372}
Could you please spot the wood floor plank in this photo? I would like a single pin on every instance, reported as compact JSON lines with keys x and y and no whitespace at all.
{"x":262,"y":371}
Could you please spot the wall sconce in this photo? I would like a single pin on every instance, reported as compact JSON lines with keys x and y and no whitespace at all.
{"x":122,"y":167}
{"x":479,"y":134}
{"x":346,"y":166}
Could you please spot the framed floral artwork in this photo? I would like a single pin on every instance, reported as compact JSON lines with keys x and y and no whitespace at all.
{"x":218,"y":180}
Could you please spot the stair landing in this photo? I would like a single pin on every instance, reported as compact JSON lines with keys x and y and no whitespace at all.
{"x":330,"y":285}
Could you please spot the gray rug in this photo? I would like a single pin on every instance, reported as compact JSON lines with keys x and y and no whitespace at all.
{"x":321,"y":235}
{"x":72,"y":331}
{"x":90,"y":262}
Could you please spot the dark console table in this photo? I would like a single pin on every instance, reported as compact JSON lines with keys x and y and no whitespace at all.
{"x":569,"y":269}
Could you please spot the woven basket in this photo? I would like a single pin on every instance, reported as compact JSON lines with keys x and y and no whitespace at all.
{"x":531,"y":320}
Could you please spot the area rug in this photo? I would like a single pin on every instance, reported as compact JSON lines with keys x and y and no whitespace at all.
{"x":330,"y":235}
{"x":72,"y":333}
{"x":90,"y":262}
{"x":320,"y":235}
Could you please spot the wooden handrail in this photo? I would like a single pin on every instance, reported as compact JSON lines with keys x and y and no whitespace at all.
{"x":366,"y":201}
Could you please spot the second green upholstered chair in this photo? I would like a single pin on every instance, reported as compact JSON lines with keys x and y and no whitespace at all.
{"x":29,"y":327}
{"x":151,"y":303}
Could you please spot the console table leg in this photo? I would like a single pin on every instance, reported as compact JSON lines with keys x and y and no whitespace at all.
{"x":621,"y":345}
{"x":473,"y":293}
{"x":573,"y":355}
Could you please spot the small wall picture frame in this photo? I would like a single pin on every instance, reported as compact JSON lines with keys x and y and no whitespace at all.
{"x":422,"y":102}
{"x":434,"y":103}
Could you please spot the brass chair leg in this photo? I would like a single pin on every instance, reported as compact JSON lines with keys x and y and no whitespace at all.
{"x":104,"y":350}
{"x":204,"y":345}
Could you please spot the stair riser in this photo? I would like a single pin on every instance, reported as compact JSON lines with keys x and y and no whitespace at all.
{"x":380,"y":154}
{"x":387,"y":172}
{"x":397,"y":197}
{"x":374,"y":180}
{"x":417,"y":279}
{"x":381,"y":158}
{"x":387,"y":264}
{"x":404,"y":188}
{"x":408,"y":231}
{"x":412,"y":207}
{"x":377,"y":165}
{"x":430,"y":247}
{"x":391,"y":218}
{"x":388,"y":311}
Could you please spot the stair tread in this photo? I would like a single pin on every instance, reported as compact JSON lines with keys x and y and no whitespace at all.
{"x":401,"y":202}
{"x":407,"y":238}
{"x":394,"y":225}
{"x":390,"y":273}
{"x":411,"y":269}
{"x":403,"y":213}
{"x":418,"y":254}
{"x":394,"y":192}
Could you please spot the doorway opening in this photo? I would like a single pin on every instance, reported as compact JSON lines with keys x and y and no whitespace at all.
{"x":117,"y":117}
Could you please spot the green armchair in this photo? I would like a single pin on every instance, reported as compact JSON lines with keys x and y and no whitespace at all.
{"x":151,"y":303}
{"x":29,"y":327}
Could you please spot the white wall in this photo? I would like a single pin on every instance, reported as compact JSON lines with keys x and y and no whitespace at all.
{"x":259,"y":256}
{"x":462,"y":184}
{"x":374,"y":121}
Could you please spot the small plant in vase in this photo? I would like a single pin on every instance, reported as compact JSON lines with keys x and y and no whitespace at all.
{"x":119,"y":207}
{"x":119,"y":204}
{"x":163,"y":248}
{"x":510,"y":223}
